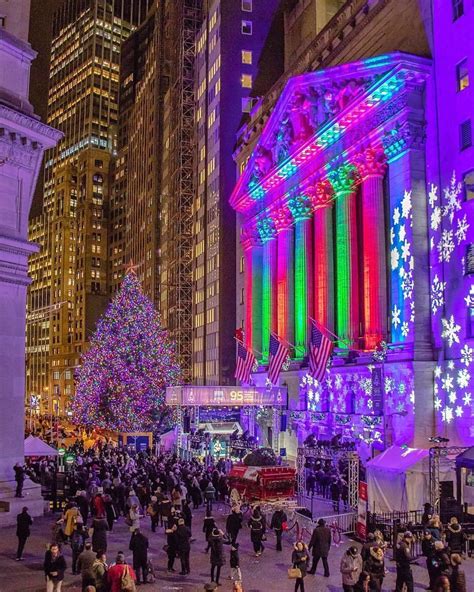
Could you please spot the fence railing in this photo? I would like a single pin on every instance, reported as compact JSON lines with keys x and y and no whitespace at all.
{"x":338,"y":523}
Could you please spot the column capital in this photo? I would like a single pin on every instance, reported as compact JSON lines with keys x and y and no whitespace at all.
{"x":265,"y":229}
{"x":282,"y":217}
{"x":343,"y":178}
{"x":321,"y":193}
{"x":371,"y":163}
{"x":300,"y":206}
{"x":402,"y":137}
{"x":250,"y":236}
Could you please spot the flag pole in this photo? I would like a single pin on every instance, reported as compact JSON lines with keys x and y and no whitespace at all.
{"x":254,"y":351}
{"x":284,"y":340}
{"x":330,"y":332}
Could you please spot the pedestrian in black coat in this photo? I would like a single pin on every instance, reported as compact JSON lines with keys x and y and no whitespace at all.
{"x":23,"y":523}
{"x":455,"y":536}
{"x":20,"y":479}
{"x":320,"y":544}
{"x":208,"y":526}
{"x":171,"y":547}
{"x":54,"y":565}
{"x":257,"y":531}
{"x":183,"y":537}
{"x":458,"y":577}
{"x":234,"y":524}
{"x":279,"y":519}
{"x":299,"y":559}
{"x":217,"y":555}
{"x":99,"y":535}
{"x":139,"y":547}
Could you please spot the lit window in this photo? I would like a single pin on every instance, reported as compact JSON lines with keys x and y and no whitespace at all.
{"x":462,"y":75}
{"x":469,"y":260}
{"x":247,"y":5}
{"x":246,"y":27}
{"x":465,"y":134}
{"x":247,"y":104}
{"x":246,"y":57}
{"x":246,"y":81}
{"x":458,"y":8}
{"x":468,"y":182}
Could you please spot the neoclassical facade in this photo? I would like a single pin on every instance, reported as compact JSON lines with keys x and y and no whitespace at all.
{"x":332,"y":211}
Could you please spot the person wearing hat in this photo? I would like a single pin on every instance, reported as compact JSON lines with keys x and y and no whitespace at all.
{"x":440,"y":561}
{"x":455,"y":536}
{"x":427,"y":514}
{"x":299,"y":560}
{"x":320,"y":544}
{"x":139,"y":547}
{"x":351,"y":568}
{"x":428,"y":549}
{"x":233,"y":523}
{"x":235,"y":573}
{"x":375,"y":566}
{"x":117,"y":571}
{"x":183,"y":538}
{"x":277,"y":524}
{"x":404,"y":561}
{"x":217,"y":555}
{"x":23,"y":523}
{"x":458,"y":577}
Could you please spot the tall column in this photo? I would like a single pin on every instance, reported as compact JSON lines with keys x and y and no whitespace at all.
{"x":371,"y":166}
{"x":347,"y":267}
{"x":269,"y":292}
{"x":285,"y":275}
{"x":300,"y":207}
{"x":323,"y":253}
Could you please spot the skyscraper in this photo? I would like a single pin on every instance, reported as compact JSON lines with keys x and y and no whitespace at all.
{"x":83,"y":104}
{"x":231,"y":70}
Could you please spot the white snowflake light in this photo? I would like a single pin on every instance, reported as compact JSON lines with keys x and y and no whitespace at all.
{"x":396,"y":216}
{"x":437,"y":404}
{"x":405,"y":329}
{"x":394,"y":258}
{"x":450,"y":331}
{"x":435,"y":218}
{"x":461,"y":230}
{"x":459,"y":411}
{"x":445,"y":246}
{"x":437,"y":294}
{"x":467,"y":399}
{"x":466,"y":355}
{"x":405,"y":250}
{"x":396,"y":316}
{"x":406,"y":204}
{"x":447,"y":414}
{"x":463,"y":378}
{"x":469,"y":299}
{"x":451,"y":195}
{"x":433,"y":195}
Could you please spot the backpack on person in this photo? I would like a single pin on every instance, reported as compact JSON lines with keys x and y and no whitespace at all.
{"x":126,"y":581}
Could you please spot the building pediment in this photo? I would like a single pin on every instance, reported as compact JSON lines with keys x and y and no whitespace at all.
{"x":314,"y":111}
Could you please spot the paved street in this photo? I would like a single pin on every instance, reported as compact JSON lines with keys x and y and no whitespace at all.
{"x":268,"y":573}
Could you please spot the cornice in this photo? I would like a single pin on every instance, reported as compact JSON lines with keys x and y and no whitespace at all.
{"x":30,"y":127}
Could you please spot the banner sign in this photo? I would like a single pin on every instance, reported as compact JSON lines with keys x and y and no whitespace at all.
{"x":226,"y":396}
{"x":361,"y":526}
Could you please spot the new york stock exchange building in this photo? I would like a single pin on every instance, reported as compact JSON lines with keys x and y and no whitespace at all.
{"x":337,"y":223}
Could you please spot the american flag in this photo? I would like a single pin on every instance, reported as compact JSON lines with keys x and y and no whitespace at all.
{"x":245,"y":362}
{"x":320,"y":349}
{"x":278,"y":353}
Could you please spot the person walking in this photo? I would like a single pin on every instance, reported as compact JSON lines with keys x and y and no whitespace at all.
{"x":23,"y":523}
{"x":234,"y":524}
{"x":209,"y":495}
{"x":257,"y":531}
{"x":139,"y":547}
{"x":458,"y":577}
{"x":375,"y":567}
{"x":152,"y":511}
{"x":404,"y":560}
{"x":428,"y":549}
{"x":171,"y":547}
{"x":70,"y":519}
{"x":299,"y":559}
{"x":235,"y":572}
{"x":320,"y":545}
{"x":351,"y":568}
{"x":217,"y":555}
{"x":54,"y":567}
{"x":84,"y":564}
{"x":100,"y":569}
{"x":208,"y":526}
{"x":118,"y":572}
{"x":183,"y":537}
{"x":78,"y":539}
{"x":277,"y":524}
{"x":99,"y":534}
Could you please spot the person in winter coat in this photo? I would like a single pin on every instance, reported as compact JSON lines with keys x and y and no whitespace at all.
{"x":434,"y":526}
{"x":165,"y":511}
{"x":404,"y":561}
{"x":442,"y":585}
{"x":187,"y":514}
{"x":279,"y":519}
{"x":234,"y":524}
{"x":70,"y":519}
{"x":371,"y":542}
{"x":183,"y":537}
{"x":85,"y":561}
{"x":441,"y":563}
{"x":455,"y":536}
{"x":98,"y":505}
{"x":139,"y":547}
{"x":83,"y":505}
{"x":115,"y":573}
{"x":427,"y":514}
{"x":54,"y":567}
{"x":23,"y":523}
{"x":100,"y":569}
{"x":375,"y":566}
{"x":110,"y":513}
{"x":19,"y":478}
{"x":99,"y":534}
{"x":235,"y":573}
{"x":351,"y":568}
{"x":78,"y":540}
{"x":176,"y":497}
{"x":217,"y":554}
{"x":134,"y":518}
{"x":257,"y":531}
{"x":299,"y":559}
{"x":458,"y":577}
{"x":208,"y":526}
{"x":428,"y":549}
{"x":320,"y":544}
{"x":209,"y":495}
{"x":171,"y":547}
{"x":152,"y":511}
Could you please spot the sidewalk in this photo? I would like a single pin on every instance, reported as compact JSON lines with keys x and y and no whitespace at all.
{"x":268,"y":573}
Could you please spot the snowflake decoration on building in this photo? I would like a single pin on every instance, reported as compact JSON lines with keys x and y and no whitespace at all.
{"x":450,"y":331}
{"x":406,"y":204}
{"x":437,"y":404}
{"x":412,"y":312}
{"x":451,"y":195}
{"x":445,"y":246}
{"x":394,"y":258}
{"x":467,"y":399}
{"x":405,"y":250}
{"x":437,"y":294}
{"x":469,"y":299}
{"x":402,"y":233}
{"x":447,"y":414}
{"x":396,"y":216}
{"x":433,"y":195}
{"x":463,"y":378}
{"x":461,"y":230}
{"x":467,"y":355}
{"x":435,"y":218}
{"x":459,"y":411}
{"x":396,"y":316}
{"x":405,"y":329}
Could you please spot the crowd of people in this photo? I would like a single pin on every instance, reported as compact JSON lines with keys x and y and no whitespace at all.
{"x":108,"y":483}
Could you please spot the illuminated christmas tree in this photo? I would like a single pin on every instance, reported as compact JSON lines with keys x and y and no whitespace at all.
{"x":121,"y":383}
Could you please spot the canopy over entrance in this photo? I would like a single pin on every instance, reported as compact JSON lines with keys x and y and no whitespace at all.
{"x":36,"y":447}
{"x":398,"y":479}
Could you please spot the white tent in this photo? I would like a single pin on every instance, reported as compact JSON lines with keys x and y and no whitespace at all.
{"x":398,"y":480}
{"x":36,"y":447}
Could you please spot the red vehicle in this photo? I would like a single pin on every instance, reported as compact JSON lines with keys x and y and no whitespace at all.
{"x":263,"y":483}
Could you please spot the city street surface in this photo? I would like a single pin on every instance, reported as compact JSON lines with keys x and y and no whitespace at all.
{"x":268,"y":573}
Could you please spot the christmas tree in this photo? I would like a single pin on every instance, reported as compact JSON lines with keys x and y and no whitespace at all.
{"x":121,"y":383}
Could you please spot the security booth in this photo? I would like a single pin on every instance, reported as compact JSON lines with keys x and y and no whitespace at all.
{"x":220,"y":421}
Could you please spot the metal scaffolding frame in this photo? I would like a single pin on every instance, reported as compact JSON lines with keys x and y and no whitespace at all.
{"x":185,"y":21}
{"x":436,"y":453}
{"x":334,"y":455}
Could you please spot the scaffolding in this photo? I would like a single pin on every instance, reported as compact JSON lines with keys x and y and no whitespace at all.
{"x":333,"y":454}
{"x":436,"y":454}
{"x":185,"y":21}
